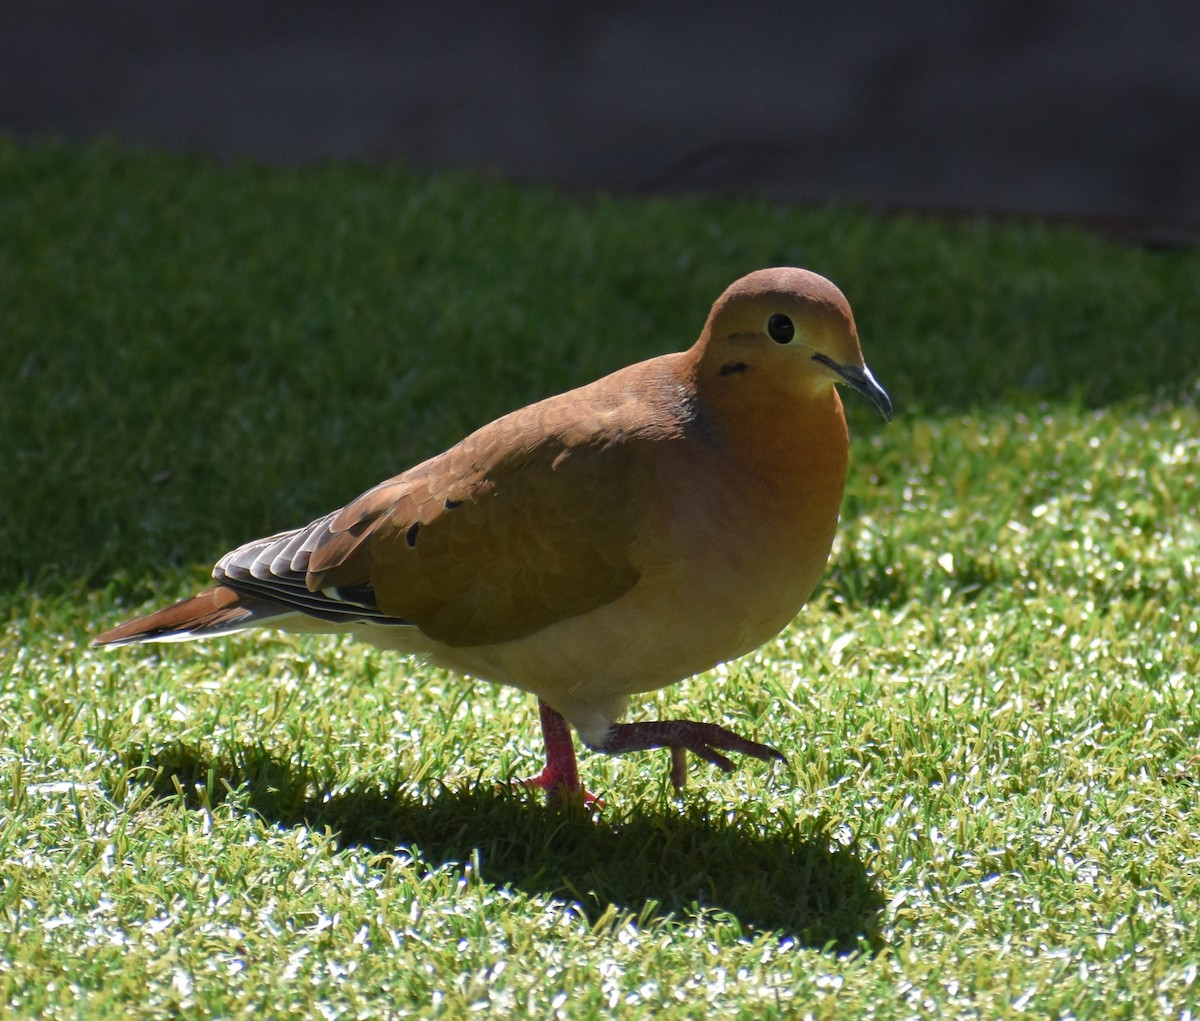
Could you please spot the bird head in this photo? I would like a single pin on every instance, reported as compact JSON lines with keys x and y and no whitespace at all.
{"x":792,"y":327}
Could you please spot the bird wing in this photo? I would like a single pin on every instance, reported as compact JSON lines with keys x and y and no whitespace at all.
{"x":518,"y":526}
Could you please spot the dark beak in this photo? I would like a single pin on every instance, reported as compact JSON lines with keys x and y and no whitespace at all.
{"x":861,"y":379}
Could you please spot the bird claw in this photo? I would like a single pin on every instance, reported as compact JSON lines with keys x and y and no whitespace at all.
{"x":558,"y":790}
{"x":560,"y":777}
{"x":681,"y":737}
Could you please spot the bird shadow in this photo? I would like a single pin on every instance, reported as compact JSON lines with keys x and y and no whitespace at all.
{"x":658,"y":862}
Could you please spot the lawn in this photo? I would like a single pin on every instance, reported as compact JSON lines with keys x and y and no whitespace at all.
{"x":990,"y":711}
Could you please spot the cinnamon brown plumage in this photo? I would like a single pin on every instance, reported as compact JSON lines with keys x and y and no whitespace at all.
{"x":611,"y":540}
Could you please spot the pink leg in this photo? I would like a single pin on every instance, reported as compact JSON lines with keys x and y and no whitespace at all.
{"x":683,"y":736}
{"x":560,"y":778}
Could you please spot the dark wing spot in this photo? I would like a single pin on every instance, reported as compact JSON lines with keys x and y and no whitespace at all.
{"x":732,"y":368}
{"x":410,"y":536}
{"x":451,"y":504}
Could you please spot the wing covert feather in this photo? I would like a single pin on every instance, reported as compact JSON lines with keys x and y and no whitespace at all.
{"x":496,"y":539}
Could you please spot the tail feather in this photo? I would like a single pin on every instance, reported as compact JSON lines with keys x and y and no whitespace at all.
{"x":216,"y":611}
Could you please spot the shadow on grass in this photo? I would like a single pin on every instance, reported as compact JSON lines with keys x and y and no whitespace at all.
{"x":656,"y":861}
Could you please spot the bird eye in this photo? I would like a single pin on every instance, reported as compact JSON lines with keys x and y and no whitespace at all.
{"x":780,"y":329}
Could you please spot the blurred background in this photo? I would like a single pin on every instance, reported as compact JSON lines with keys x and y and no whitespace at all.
{"x":1082,"y":110}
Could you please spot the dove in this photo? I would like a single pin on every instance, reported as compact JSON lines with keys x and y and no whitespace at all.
{"x":608,"y":541}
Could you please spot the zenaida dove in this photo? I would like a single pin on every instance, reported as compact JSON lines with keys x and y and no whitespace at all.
{"x":613,"y":539}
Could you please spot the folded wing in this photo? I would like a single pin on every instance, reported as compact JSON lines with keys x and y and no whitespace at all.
{"x":485,"y":543}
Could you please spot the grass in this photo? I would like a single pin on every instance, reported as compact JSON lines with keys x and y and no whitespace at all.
{"x":991,"y":806}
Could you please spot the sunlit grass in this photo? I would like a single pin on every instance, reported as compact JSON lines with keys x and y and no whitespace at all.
{"x":990,"y":806}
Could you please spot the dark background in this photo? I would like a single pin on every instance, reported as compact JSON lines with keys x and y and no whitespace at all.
{"x":1085,"y":110}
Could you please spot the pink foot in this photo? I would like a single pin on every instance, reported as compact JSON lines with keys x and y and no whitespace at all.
{"x":683,"y":736}
{"x":560,"y":778}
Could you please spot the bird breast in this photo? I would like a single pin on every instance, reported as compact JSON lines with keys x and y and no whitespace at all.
{"x":735,"y":548}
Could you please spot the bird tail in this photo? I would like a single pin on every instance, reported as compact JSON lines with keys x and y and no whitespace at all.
{"x":216,"y":611}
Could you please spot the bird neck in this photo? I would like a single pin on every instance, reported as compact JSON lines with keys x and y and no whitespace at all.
{"x":781,"y":460}
{"x":789,"y":434}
